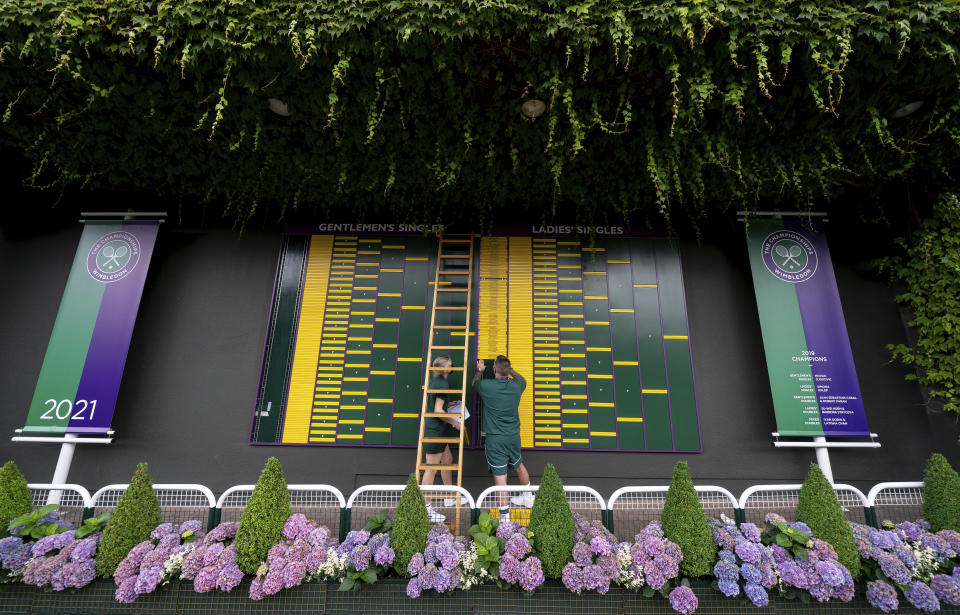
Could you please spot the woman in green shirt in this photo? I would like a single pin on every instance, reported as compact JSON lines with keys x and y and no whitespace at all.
{"x":439,"y":427}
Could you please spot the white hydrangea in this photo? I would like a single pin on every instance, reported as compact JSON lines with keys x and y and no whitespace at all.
{"x":927,"y":564}
{"x":625,"y":575}
{"x":334,"y":568}
{"x":466,"y":565}
{"x":174,"y":564}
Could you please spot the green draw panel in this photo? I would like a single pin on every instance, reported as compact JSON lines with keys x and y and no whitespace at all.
{"x":598,"y":329}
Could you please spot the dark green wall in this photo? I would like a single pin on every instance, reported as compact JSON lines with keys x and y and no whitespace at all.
{"x":190,"y":382}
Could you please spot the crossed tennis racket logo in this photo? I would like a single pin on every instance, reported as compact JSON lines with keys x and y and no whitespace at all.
{"x":113,"y":256}
{"x":789,"y":255}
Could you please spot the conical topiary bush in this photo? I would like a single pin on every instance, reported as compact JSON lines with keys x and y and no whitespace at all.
{"x":15,"y":498}
{"x":819,"y":508}
{"x":685,"y":523}
{"x":136,"y":515}
{"x":551,"y":522}
{"x":941,"y":494}
{"x":261,"y":524}
{"x":410,"y":526}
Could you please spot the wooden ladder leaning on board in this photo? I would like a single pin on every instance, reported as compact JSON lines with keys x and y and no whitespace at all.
{"x":452,"y":291}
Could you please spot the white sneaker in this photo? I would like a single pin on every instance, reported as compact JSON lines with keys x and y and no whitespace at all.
{"x":449,"y":502}
{"x":434,"y":516}
{"x":525,"y":499}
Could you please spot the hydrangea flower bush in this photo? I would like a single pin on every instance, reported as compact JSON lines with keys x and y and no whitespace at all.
{"x":442,"y":565}
{"x":154,"y":562}
{"x":804,"y":563}
{"x":369,"y":557}
{"x":307,"y":552}
{"x":59,"y":561}
{"x":14,"y":555}
{"x":518,"y":565}
{"x":744,"y":563}
{"x":595,"y":565}
{"x":906,"y":557}
{"x":213,"y":564}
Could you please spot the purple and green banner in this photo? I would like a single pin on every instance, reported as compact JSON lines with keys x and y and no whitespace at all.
{"x":80,"y":377}
{"x":809,"y":361}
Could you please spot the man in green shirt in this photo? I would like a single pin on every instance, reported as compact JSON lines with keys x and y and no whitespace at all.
{"x":501,"y":424}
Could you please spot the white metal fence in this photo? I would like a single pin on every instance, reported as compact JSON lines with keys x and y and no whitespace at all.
{"x":178,"y":502}
{"x":583,"y":500}
{"x":758,"y":500}
{"x":450,"y":505}
{"x":632,"y":508}
{"x":320,"y":503}
{"x":628,"y":510}
{"x":897,"y":501}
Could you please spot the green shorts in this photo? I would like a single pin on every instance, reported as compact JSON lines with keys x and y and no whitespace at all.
{"x":503,"y":453}
{"x":435,"y":448}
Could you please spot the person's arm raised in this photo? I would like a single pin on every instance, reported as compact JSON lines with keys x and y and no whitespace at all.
{"x":517,"y":376}
{"x":481,"y":366}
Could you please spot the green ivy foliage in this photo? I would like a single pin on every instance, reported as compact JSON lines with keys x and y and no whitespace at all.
{"x":685,"y":523}
{"x":15,"y":498}
{"x":819,"y":508}
{"x":930,"y":270}
{"x":261,"y":525}
{"x":411,"y":108}
{"x":410,"y":526}
{"x":136,"y":515}
{"x":941,"y":494}
{"x":551,"y":522}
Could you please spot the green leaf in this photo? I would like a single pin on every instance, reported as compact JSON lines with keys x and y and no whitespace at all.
{"x":648,"y":591}
{"x":347,"y":584}
{"x":784,"y":541}
{"x":369,"y":576}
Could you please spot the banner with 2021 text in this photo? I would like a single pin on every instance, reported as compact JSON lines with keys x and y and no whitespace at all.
{"x":80,"y":376}
{"x":809,"y":361}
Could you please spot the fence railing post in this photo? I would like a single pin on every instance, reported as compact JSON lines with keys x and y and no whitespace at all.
{"x":345,"y":517}
{"x":213,"y":518}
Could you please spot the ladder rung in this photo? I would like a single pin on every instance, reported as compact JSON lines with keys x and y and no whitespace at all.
{"x":444,"y":391}
{"x":456,"y":241}
{"x":446,"y":414}
{"x":449,"y":326}
{"x":459,"y":256}
{"x":451,"y":368}
{"x":452,"y":290}
{"x":454,"y":272}
{"x":441,"y":440}
{"x":437,"y":466}
{"x":450,"y":307}
{"x":448,"y":347}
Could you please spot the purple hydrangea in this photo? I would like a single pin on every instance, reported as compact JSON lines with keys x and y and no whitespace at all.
{"x":830,"y":572}
{"x":757,"y":594}
{"x":148,"y":579}
{"x":413,"y":588}
{"x":163,"y":529}
{"x":205,"y":580}
{"x":448,"y":556}
{"x":748,"y":552}
{"x":946,"y":589}
{"x":726,"y":571}
{"x":256,"y":589}
{"x":921,"y":596}
{"x":384,"y":556}
{"x":294,"y":572}
{"x":893,"y":568}
{"x":581,"y":554}
{"x":683,"y":600}
{"x":882,"y":596}
{"x":415,"y":566}
{"x":531,"y":575}
{"x":729,"y":588}
{"x":229,"y":577}
{"x":750,"y":531}
{"x":600,"y":546}
{"x":517,"y":546}
{"x":126,"y":591}
{"x":294,"y":525}
{"x":509,"y":568}
{"x":572,"y":577}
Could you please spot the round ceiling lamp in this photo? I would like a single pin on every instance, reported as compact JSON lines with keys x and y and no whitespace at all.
{"x":533,"y":108}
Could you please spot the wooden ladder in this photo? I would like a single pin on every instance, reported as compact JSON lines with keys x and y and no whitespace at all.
{"x":454,"y":263}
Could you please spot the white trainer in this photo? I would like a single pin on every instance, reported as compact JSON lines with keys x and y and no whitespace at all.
{"x":449,"y":502}
{"x":434,"y":516}
{"x":525,"y":499}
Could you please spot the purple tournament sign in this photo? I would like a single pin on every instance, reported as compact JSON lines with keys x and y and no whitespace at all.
{"x":82,"y":368}
{"x":809,"y":361}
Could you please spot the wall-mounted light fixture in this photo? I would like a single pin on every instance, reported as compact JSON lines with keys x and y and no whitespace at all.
{"x":279,"y":107}
{"x":533,"y":108}
{"x":907,"y":109}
